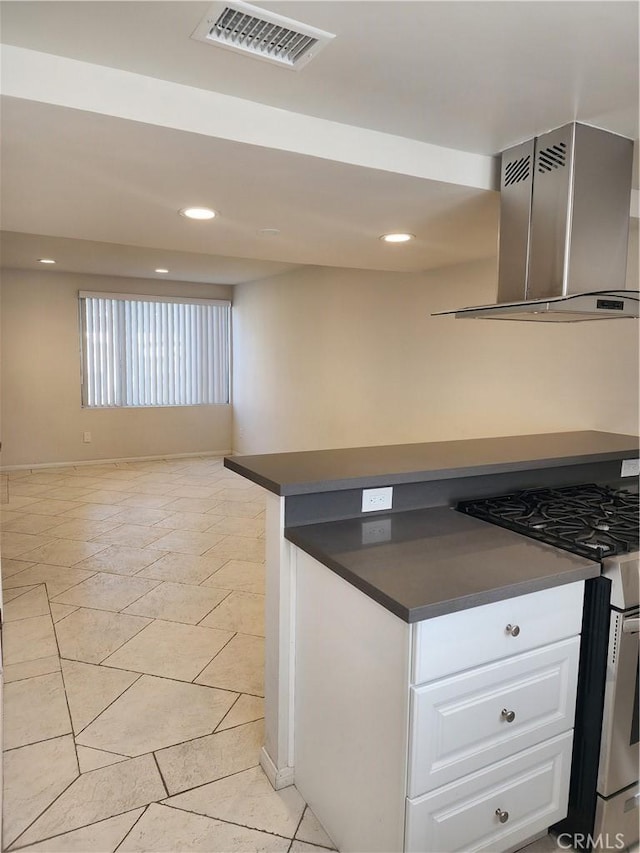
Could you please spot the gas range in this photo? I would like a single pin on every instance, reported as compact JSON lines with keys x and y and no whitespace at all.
{"x":599,"y":521}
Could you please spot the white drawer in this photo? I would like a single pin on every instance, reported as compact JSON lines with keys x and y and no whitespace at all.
{"x":457,"y":725}
{"x":531,"y":787}
{"x":469,"y":638}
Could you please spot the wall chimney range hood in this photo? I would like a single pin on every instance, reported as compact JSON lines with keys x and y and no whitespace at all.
{"x":564,"y":229}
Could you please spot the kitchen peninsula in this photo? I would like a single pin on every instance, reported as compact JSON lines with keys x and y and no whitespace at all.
{"x":404,"y":597}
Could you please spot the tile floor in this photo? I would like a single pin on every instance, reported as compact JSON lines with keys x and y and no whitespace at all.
{"x":133,"y":654}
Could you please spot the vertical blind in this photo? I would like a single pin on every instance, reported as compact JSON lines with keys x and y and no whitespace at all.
{"x":142,"y":351}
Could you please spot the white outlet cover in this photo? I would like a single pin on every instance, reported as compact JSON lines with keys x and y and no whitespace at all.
{"x":375,"y":500}
{"x":630,"y":468}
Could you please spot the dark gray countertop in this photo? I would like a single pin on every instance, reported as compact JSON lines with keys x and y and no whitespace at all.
{"x":437,"y":561}
{"x":315,"y":471}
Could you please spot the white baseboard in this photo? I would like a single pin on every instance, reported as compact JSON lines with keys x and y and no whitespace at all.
{"x":40,"y":465}
{"x":281,"y":778}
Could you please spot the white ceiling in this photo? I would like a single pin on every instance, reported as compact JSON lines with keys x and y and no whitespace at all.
{"x":393,"y":126}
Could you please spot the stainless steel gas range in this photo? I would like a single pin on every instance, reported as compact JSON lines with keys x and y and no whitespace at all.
{"x":600,"y":521}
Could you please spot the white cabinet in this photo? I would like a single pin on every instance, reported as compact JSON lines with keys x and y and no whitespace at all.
{"x":491,"y":728}
{"x":401,"y":742}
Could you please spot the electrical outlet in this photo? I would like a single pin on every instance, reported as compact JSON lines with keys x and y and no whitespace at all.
{"x":374,"y":532}
{"x":630,"y":468}
{"x":374,"y":500}
{"x":86,"y":437}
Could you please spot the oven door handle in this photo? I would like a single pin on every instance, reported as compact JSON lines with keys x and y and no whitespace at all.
{"x":631,"y":626}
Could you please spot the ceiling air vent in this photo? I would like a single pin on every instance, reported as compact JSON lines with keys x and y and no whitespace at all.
{"x":262,"y":34}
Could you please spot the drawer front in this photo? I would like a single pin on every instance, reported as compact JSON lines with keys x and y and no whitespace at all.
{"x":458,"y":725}
{"x":528,"y":791}
{"x":469,"y":638}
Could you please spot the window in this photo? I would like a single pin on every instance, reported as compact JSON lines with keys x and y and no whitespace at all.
{"x":148,"y":351}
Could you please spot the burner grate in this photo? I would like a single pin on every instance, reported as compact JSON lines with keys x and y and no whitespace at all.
{"x":591,"y":520}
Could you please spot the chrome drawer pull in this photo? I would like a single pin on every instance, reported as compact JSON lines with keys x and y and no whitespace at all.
{"x":503,"y":817}
{"x":509,"y":716}
{"x":514,"y":630}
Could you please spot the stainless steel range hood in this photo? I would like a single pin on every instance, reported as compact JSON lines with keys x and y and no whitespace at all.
{"x":564,"y":229}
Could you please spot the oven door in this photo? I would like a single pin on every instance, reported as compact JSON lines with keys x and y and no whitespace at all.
{"x":619,"y":750}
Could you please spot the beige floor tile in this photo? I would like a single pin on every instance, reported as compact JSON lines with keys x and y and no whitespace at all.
{"x":56,"y":578}
{"x":105,"y":496}
{"x":31,"y":524}
{"x":206,"y":759}
{"x":18,"y":502}
{"x":93,"y":511}
{"x":17,"y":544}
{"x":35,"y":709}
{"x":34,"y":602}
{"x":132,"y":535}
{"x":239,"y":666}
{"x":178,"y":602}
{"x":30,"y":639}
{"x":59,"y":611}
{"x":246,"y":798}
{"x":231,"y":526}
{"x":182,"y":568}
{"x":91,"y":689}
{"x":242,"y":575}
{"x":155,"y":713}
{"x":246,"y":710}
{"x":170,"y":649}
{"x":191,"y":504}
{"x":68,"y":493}
{"x":239,"y":509}
{"x":101,"y":837}
{"x":236,"y":494}
{"x":16,"y":592}
{"x":151,"y":501}
{"x":12,"y":567}
{"x":190,"y":491}
{"x":31,"y":668}
{"x":64,"y":552}
{"x":189,"y":521}
{"x":141,"y":515}
{"x":240,"y":611}
{"x":83,"y":529}
{"x":239,"y":548}
{"x":93,"y":759}
{"x":312,"y":832}
{"x":107,"y":592}
{"x":166,"y":830}
{"x":33,"y":777}
{"x":26,"y":489}
{"x":50,"y":506}
{"x":100,"y":794}
{"x":120,"y":560}
{"x":92,"y":635}
{"x":304,"y":847}
{"x":186,"y":542}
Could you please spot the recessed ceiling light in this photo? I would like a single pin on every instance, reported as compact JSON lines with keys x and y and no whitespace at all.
{"x":397,"y":238}
{"x":197,"y":212}
{"x":46,"y":261}
{"x":163,"y":271}
{"x":269,"y":232}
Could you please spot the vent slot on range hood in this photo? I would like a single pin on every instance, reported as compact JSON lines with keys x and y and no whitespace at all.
{"x":564,"y":228}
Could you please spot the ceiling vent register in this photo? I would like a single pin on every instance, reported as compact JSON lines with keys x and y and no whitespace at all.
{"x":261,"y":34}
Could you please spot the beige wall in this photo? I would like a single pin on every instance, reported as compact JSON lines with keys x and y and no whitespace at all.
{"x":328,"y":358}
{"x":41,"y":418}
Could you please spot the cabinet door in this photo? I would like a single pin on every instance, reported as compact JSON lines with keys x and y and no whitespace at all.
{"x":472,"y":719}
{"x":495,"y":808}
{"x":458,"y":641}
